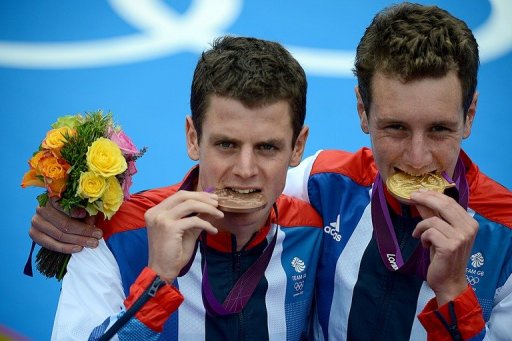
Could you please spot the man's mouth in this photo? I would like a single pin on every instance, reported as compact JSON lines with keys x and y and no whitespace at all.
{"x":398,"y":170}
{"x":240,"y":200}
{"x":243,"y":190}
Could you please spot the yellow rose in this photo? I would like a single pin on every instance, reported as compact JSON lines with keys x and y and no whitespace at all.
{"x":105,"y":158}
{"x":91,"y":186}
{"x":55,"y":139}
{"x":112,"y":198}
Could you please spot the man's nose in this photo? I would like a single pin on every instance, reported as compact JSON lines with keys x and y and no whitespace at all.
{"x":418,"y":153}
{"x":246,"y":164}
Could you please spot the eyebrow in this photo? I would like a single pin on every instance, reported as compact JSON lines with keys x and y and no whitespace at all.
{"x":390,"y":119}
{"x":223,"y":137}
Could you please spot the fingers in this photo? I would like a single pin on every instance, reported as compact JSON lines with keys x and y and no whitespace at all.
{"x":66,"y":224}
{"x":173,"y":228}
{"x":56,"y":231}
{"x":51,"y":243}
{"x":184,"y":204}
{"x":449,"y":231}
{"x":440,"y":204}
{"x":438,"y":207}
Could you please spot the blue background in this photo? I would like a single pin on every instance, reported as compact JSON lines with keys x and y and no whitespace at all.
{"x":136,"y":58}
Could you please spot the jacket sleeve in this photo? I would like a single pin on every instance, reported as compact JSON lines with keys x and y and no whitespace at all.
{"x":92,"y":299}
{"x":460,"y":319}
{"x":298,"y":177}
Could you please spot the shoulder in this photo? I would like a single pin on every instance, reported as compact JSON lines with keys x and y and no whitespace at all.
{"x":295,"y":212}
{"x":358,"y":166}
{"x":131,"y":213}
{"x":487,"y":197}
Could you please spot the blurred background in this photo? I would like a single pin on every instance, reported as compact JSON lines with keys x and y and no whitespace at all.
{"x":136,"y":59}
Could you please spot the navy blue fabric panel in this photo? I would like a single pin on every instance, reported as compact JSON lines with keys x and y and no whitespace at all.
{"x":130,"y":248}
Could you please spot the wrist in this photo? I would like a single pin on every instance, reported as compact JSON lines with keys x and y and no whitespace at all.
{"x":165,"y":276}
{"x":450,"y":293}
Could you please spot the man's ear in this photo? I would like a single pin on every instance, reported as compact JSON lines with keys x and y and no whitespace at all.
{"x":363,"y":118}
{"x":470,"y":116}
{"x":298,"y":148}
{"x":192,"y":141}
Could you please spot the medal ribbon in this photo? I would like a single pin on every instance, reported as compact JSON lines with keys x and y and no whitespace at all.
{"x":244,"y":286}
{"x":385,"y":232}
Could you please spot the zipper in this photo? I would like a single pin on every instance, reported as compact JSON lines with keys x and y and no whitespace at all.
{"x":139,"y":303}
{"x":237,"y":270}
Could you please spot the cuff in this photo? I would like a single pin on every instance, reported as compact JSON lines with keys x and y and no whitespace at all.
{"x":468,"y":313}
{"x":157,"y":310}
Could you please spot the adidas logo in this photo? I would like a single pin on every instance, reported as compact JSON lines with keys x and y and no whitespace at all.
{"x":333,"y":229}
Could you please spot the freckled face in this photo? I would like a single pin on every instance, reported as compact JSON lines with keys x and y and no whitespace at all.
{"x":416,"y":127}
{"x":246,"y":148}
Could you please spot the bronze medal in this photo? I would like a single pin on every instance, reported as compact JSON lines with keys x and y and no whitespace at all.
{"x":401,"y":185}
{"x":231,"y":201}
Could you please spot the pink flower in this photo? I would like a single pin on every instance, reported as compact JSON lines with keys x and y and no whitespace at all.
{"x":127,"y":182}
{"x":123,"y":141}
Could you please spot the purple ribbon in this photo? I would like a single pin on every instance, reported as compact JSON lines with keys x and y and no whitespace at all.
{"x":385,"y":232}
{"x":243,"y":288}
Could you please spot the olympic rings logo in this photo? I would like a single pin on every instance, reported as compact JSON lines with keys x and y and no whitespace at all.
{"x":472,"y":280}
{"x":298,"y":285}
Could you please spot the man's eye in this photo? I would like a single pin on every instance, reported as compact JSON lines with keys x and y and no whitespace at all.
{"x":439,"y":129}
{"x":395,"y":127}
{"x":267,"y":147}
{"x":225,"y":145}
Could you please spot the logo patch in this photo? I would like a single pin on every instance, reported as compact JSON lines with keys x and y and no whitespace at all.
{"x":473,"y":274}
{"x":298,"y":264}
{"x":299,"y":278}
{"x":333,"y":229}
{"x":477,"y":260}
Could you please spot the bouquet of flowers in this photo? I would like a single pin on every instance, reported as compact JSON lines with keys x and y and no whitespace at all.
{"x":85,"y":162}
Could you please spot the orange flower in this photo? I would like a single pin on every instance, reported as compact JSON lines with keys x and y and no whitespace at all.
{"x":55,"y":187}
{"x":47,"y":170}
{"x":36,"y":158}
{"x":32,"y":178}
{"x":52,"y":167}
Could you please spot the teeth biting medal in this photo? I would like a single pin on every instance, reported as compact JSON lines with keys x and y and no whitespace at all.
{"x":236,"y":202}
{"x":401,"y":185}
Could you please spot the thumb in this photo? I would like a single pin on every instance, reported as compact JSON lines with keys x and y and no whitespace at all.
{"x":90,"y":220}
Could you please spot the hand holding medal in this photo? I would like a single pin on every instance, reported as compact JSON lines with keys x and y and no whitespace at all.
{"x":447,"y":230}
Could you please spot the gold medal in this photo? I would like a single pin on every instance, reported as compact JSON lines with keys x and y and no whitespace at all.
{"x":401,"y":185}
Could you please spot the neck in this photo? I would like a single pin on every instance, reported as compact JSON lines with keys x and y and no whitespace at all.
{"x":237,"y":226}
{"x":241,"y":241}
